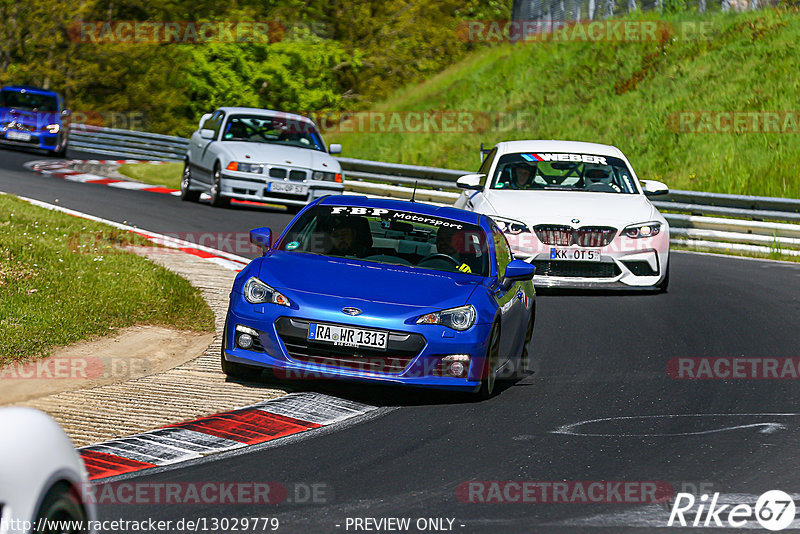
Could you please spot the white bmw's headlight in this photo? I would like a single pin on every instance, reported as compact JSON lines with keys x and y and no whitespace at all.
{"x":327,"y":176}
{"x":460,"y":318}
{"x":510,"y":226}
{"x":257,"y":292}
{"x":636,"y":231}
{"x":241,"y":166}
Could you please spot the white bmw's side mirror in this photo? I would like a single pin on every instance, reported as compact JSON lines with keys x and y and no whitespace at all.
{"x":203,"y":120}
{"x":335,"y":148}
{"x":471,"y":181}
{"x":207,"y":134}
{"x":654,"y":188}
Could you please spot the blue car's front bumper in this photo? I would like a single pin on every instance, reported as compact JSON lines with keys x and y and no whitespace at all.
{"x":36,"y":139}
{"x":413,"y":357}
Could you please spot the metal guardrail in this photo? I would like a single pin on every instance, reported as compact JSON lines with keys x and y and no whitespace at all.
{"x":128,"y":144}
{"x":709,"y":220}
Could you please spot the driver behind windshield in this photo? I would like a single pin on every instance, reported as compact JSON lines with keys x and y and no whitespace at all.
{"x":350,"y":236}
{"x":237,"y":130}
{"x":522,"y":176}
{"x":461,"y":246}
{"x":518,"y":176}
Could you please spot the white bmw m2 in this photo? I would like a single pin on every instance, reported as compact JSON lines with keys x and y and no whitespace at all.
{"x":576,"y":211}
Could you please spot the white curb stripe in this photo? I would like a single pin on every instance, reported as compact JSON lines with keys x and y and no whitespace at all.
{"x":315,"y":408}
{"x":235,"y":262}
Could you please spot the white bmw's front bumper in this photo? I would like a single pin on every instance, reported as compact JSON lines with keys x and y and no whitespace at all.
{"x":625,"y":264}
{"x":242,"y":186}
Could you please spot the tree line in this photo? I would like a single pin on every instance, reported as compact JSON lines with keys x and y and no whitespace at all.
{"x":159,"y":67}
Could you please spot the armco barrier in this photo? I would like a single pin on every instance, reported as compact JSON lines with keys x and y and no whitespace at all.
{"x":736,"y":222}
{"x":127,"y":144}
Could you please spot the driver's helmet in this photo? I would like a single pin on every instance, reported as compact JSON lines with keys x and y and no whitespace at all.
{"x":236,"y":130}
{"x":597,"y":174}
{"x":457,"y":243}
{"x":518,"y":171}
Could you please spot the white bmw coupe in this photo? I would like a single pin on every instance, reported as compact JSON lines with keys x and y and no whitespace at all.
{"x":259,"y":155}
{"x":576,"y":211}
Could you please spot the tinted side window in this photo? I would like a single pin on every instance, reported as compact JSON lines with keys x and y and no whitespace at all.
{"x":487,"y":164}
{"x":501,"y":250}
{"x":214,"y":122}
{"x":218,"y":124}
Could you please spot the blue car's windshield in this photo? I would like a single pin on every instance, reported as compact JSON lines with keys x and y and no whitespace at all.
{"x":391,"y":237}
{"x":28,"y":101}
{"x":273,"y":130}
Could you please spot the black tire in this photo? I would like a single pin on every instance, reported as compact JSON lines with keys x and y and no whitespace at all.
{"x":61,"y":151}
{"x":62,"y":505}
{"x":239,"y":370}
{"x":489,"y":379}
{"x":187,"y":194}
{"x":662,"y":286}
{"x":217,"y":199}
{"x":525,"y":358}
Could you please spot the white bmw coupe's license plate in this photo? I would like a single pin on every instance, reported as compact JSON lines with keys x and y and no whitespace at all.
{"x":574,"y":254}
{"x":18,"y":136}
{"x":280,"y":187}
{"x":345,"y":336}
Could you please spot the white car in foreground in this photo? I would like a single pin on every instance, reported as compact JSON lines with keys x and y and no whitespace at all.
{"x":42,"y":478}
{"x":576,"y":211}
{"x":259,"y":155}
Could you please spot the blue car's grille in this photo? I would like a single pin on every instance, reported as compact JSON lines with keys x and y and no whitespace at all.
{"x":402,"y":348}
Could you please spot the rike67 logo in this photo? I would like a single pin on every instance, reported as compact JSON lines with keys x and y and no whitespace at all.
{"x":774,"y":510}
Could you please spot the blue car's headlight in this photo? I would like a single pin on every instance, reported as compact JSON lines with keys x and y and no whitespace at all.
{"x":257,"y":292}
{"x":460,"y":318}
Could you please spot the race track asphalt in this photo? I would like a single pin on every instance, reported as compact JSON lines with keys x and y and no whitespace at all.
{"x":603,"y":356}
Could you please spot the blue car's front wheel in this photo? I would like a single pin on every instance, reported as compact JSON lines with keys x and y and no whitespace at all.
{"x":489,"y":373}
{"x":525,"y":357}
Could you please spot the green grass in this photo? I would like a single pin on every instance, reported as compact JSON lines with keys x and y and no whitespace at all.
{"x":64,"y":279}
{"x":624,"y":94}
{"x":167,"y":174}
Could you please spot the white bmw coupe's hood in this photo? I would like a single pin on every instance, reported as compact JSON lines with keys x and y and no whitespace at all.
{"x":560,"y":207}
{"x":282,"y":155}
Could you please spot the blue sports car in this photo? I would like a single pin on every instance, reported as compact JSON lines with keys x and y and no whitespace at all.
{"x":33,"y":117}
{"x":383,"y":291}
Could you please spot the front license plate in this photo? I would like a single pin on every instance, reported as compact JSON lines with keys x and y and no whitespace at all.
{"x":293,"y":189}
{"x":18,"y":136}
{"x":345,"y":336}
{"x":574,"y":254}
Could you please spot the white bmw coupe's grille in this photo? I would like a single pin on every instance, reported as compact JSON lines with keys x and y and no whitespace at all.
{"x":564,"y":236}
{"x":551,"y":234}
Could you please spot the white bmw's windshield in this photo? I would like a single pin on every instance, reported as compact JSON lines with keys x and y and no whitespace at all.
{"x":563,"y":171}
{"x":273,"y":130}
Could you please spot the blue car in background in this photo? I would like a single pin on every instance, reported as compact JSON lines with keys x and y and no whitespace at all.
{"x":33,"y":117}
{"x":384,"y":291}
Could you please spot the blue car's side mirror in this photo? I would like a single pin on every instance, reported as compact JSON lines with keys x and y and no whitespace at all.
{"x":518,"y":271}
{"x":262,"y":238}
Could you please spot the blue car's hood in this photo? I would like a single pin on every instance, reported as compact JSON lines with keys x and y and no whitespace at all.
{"x":368,"y":281}
{"x":38,"y":119}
